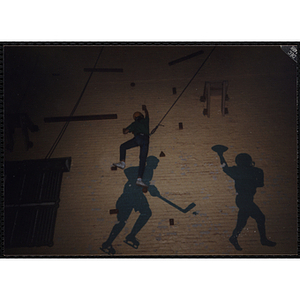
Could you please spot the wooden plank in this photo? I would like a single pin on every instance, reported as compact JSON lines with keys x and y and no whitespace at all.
{"x":80,"y":118}
{"x":185,"y":58}
{"x":119,"y":70}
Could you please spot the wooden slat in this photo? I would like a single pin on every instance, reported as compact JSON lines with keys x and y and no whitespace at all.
{"x":80,"y":118}
{"x":119,"y":70}
{"x":185,"y":58}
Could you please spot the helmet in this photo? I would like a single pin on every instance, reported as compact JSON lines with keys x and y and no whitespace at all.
{"x":152,"y":162}
{"x":138,"y":116}
{"x":244,"y":160}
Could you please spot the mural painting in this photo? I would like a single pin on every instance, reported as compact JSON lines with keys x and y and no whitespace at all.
{"x":147,"y":129}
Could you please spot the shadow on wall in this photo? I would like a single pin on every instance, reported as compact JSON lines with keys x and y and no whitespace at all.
{"x":132,"y":198}
{"x":247,"y":178}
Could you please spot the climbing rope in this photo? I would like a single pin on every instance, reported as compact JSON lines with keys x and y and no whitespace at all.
{"x":154,"y":130}
{"x":63,"y":130}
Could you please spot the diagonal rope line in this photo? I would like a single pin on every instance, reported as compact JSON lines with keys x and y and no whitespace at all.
{"x":63,"y":130}
{"x":153,"y":131}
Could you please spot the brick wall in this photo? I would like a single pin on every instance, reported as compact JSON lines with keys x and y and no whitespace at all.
{"x":261,"y":122}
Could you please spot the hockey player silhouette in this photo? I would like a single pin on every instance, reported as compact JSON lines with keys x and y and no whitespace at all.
{"x":247,"y":178}
{"x":132,"y":198}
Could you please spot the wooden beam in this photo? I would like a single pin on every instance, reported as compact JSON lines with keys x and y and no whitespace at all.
{"x":103,"y":70}
{"x":185,"y":58}
{"x":80,"y":118}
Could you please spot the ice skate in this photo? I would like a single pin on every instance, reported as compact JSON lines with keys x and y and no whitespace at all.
{"x":266,"y":242}
{"x":120,"y":165}
{"x":235,"y":243}
{"x":108,"y":248}
{"x":132,"y":241}
{"x":139,"y":182}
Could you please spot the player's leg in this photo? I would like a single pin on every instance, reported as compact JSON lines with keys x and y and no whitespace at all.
{"x":243,"y":216}
{"x":260,"y":219}
{"x":144,"y":149}
{"x":122,"y":216}
{"x":125,"y":146}
{"x":143,"y":218}
{"x":141,"y":221}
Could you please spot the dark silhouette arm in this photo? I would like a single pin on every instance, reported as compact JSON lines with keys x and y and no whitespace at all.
{"x":222,"y":160}
{"x":154,"y":191}
{"x":144,"y":108}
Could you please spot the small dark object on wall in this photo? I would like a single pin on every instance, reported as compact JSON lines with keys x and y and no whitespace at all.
{"x":202,"y":99}
{"x":174,"y":90}
{"x":114,"y":211}
{"x":180,"y":126}
{"x":162,"y":154}
{"x":171,"y":221}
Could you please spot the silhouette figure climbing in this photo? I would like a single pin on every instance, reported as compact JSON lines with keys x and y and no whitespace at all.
{"x":247,"y":179}
{"x":132,"y":198}
{"x":140,"y":130}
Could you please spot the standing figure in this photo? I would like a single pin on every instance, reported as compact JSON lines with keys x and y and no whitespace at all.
{"x":140,"y":130}
{"x":247,"y":178}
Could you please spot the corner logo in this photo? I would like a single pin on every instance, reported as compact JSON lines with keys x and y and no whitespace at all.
{"x":291,"y":51}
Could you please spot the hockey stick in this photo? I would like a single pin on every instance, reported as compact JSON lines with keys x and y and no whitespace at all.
{"x":190,"y":206}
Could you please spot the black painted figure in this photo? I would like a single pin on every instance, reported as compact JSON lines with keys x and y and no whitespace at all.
{"x":140,"y":130}
{"x":247,"y":179}
{"x":132,"y":198}
{"x":18,"y":120}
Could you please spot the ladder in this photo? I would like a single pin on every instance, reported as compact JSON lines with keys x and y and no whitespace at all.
{"x":215,"y":85}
